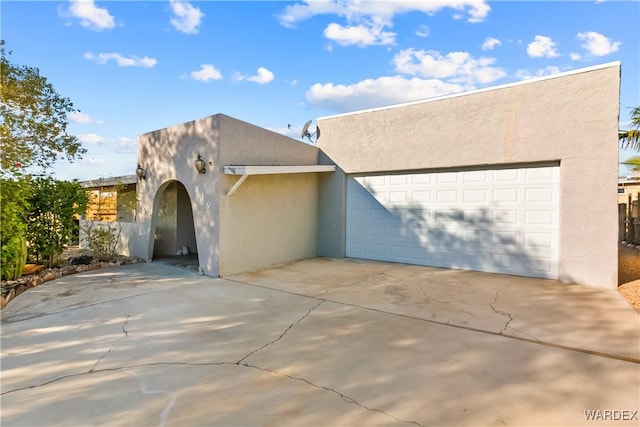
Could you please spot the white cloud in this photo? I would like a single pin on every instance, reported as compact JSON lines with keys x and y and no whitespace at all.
{"x":548,"y":70}
{"x":458,"y":67}
{"x":186,"y":18}
{"x":81,"y":118}
{"x":367,"y":21}
{"x":91,"y":16}
{"x":206,"y":72}
{"x":122,"y":61}
{"x":575,"y":56}
{"x":120,"y":144}
{"x":359,"y":35}
{"x":378,"y":92}
{"x":90,"y":138}
{"x":490,"y":43}
{"x":542,"y":46}
{"x":356,"y":11}
{"x":124,"y":144}
{"x":422,"y":31}
{"x":597,"y":44}
{"x":263,"y":76}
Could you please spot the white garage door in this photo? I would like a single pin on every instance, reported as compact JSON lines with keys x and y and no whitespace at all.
{"x":502,"y":221}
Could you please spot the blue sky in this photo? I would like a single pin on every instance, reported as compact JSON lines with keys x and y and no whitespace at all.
{"x":135,"y":66}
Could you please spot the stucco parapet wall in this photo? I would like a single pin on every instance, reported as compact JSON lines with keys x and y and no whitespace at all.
{"x":534,"y":120}
{"x":243,"y":143}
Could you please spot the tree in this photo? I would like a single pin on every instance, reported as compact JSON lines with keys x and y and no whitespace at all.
{"x":631,"y":138}
{"x":33,"y":121}
{"x":633,"y":161}
{"x":51,"y":220}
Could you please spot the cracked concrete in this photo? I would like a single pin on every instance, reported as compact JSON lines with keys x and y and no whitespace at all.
{"x":321,"y":342}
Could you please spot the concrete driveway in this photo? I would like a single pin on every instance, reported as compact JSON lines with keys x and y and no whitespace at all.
{"x":321,"y":342}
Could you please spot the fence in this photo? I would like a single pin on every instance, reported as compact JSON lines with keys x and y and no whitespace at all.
{"x":629,"y":222}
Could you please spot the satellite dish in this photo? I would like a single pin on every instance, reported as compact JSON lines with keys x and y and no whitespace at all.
{"x":309,"y":135}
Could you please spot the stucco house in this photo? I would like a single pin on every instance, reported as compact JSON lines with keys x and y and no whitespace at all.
{"x":488,"y":180}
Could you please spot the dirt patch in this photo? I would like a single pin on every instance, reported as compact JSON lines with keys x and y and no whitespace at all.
{"x":629,"y":276}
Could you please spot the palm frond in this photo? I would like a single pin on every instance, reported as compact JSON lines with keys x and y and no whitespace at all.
{"x":631,"y":138}
{"x":632,"y":161}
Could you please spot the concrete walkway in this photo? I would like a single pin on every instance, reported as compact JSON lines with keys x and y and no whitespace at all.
{"x":317,"y":343}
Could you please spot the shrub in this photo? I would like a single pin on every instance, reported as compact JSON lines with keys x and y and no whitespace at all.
{"x":13,"y":225}
{"x":51,"y":220}
{"x":102,"y":239}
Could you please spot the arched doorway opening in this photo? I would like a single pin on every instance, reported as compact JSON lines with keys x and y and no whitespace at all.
{"x":174,"y":237}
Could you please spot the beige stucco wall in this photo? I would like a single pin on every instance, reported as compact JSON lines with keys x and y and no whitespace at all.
{"x":270,"y":219}
{"x":571,"y":118}
{"x":168,"y":155}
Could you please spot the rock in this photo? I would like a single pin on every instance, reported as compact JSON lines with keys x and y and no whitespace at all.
{"x":49,"y":276}
{"x":20,"y":289}
{"x":11,"y":295}
{"x":35,"y":281}
{"x":3,"y":301}
{"x":32,"y":269}
{"x":623,"y":243}
{"x":629,"y":245}
{"x":69,"y":270}
{"x":81,"y":260}
{"x":93,"y":267}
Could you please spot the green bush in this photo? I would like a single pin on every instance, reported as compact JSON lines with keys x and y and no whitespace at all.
{"x":51,"y":219}
{"x":14,"y":208}
{"x":102,"y":239}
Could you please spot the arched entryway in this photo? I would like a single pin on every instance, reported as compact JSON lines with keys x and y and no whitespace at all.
{"x":174,"y":236}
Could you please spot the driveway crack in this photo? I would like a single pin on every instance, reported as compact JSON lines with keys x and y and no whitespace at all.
{"x":503,"y":313}
{"x":126,"y":334}
{"x":282,"y":334}
{"x":114,"y":369}
{"x":343,"y":396}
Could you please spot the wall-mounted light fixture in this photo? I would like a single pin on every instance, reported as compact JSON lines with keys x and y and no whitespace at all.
{"x":200,"y":165}
{"x":142,"y":174}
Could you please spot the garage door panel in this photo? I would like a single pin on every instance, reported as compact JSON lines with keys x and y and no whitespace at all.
{"x":475,"y":195}
{"x":447,"y":178}
{"x":506,"y":196}
{"x":447,"y":196}
{"x":502,"y":176}
{"x":477,"y":216}
{"x":503,"y":220}
{"x":505,"y":217}
{"x":473,"y":177}
{"x":539,"y":241}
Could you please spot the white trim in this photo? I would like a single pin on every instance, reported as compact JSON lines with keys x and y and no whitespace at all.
{"x":471,"y":92}
{"x":237,"y":184}
{"x":245,"y":171}
{"x":270,"y":170}
{"x":109,"y":182}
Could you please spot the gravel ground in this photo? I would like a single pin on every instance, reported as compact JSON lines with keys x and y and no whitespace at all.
{"x":629,"y":276}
